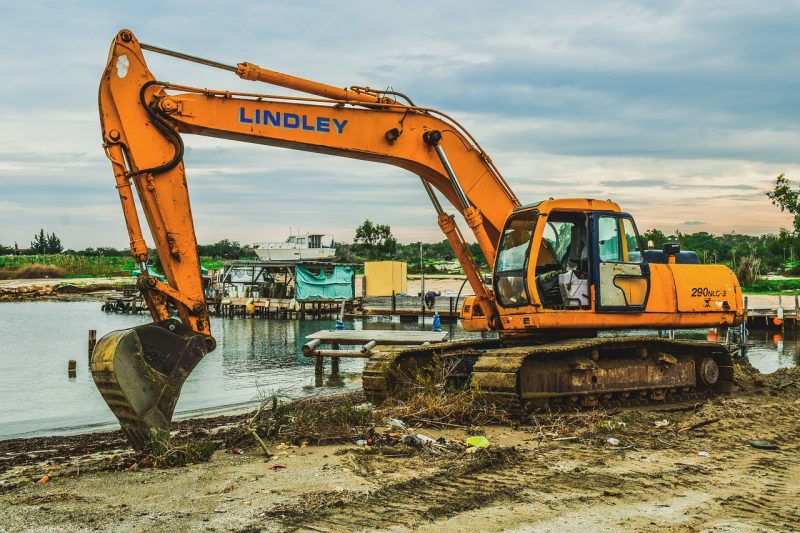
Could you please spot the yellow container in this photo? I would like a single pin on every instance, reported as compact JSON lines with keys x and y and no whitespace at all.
{"x":383,"y":277}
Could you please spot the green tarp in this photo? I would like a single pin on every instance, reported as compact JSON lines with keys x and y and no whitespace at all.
{"x":338,"y":286}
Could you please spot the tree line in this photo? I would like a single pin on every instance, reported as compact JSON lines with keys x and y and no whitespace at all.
{"x":778,"y":252}
{"x":374,"y":242}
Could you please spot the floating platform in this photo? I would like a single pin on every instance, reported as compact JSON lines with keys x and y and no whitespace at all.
{"x":380,"y":336}
{"x":368,"y":338}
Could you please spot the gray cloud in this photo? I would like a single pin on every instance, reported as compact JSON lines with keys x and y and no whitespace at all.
{"x":644,"y":182}
{"x":694,"y":101}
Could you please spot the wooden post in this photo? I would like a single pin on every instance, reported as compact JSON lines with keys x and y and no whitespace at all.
{"x":796,"y":310}
{"x":334,"y":360}
{"x":743,"y":330}
{"x":92,"y":342}
{"x":394,"y":302}
{"x":319,"y":368}
{"x":781,"y":314}
{"x":72,"y":368}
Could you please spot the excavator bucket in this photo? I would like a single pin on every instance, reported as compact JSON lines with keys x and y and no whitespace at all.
{"x":140,"y":372}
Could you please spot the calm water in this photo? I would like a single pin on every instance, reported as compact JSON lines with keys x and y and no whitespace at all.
{"x":253,"y":357}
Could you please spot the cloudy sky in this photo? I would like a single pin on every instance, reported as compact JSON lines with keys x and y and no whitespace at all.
{"x":683,"y":112}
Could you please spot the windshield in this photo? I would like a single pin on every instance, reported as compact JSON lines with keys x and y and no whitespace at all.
{"x":509,"y":273}
{"x":515,"y":243}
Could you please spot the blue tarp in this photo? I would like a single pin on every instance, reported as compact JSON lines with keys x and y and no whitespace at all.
{"x":338,"y":286}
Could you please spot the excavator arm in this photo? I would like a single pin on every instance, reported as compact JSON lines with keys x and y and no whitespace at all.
{"x":140,"y":371}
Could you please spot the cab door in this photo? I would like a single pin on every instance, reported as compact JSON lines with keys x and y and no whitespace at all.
{"x":621,"y":279}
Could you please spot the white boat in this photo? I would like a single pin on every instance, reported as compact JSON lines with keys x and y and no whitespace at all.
{"x":308,"y":247}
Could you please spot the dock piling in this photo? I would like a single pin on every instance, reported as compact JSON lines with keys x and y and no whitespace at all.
{"x":92,"y":342}
{"x":334,"y":360}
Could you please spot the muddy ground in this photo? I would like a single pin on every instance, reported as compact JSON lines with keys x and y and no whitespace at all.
{"x":678,"y":467}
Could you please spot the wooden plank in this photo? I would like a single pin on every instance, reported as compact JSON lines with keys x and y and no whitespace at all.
{"x":381,"y":336}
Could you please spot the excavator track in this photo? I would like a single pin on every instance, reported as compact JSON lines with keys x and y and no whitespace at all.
{"x":390,"y":366}
{"x":568,"y":374}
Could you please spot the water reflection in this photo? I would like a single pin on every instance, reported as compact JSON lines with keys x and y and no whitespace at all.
{"x":769,"y":350}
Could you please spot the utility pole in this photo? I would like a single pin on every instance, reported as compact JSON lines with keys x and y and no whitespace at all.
{"x":422,"y":292}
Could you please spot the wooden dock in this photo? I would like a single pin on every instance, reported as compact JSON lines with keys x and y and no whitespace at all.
{"x":784,"y":315}
{"x":368,"y":339}
{"x":404,"y":306}
{"x":274,"y":308}
{"x":128,"y":302}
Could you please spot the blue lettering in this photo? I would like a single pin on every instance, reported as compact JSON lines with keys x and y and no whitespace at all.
{"x":295,"y":120}
{"x":269,"y":118}
{"x":243,"y":119}
{"x":292,"y":121}
{"x":339,"y":125}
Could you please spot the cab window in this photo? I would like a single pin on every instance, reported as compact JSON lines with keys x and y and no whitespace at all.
{"x":512,"y":259}
{"x":618,"y":242}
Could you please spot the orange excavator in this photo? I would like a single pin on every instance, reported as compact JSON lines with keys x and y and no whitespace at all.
{"x":568,"y":274}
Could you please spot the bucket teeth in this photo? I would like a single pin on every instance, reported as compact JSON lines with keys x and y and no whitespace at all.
{"x":140,"y":372}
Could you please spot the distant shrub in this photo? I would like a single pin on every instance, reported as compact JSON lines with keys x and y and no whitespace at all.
{"x":749,"y":270}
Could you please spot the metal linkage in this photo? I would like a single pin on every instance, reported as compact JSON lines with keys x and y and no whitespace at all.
{"x":188,"y":57}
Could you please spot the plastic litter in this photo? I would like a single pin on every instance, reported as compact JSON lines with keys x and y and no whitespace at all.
{"x":424,"y":439}
{"x":763,"y":445}
{"x":361,"y":442}
{"x":612,"y":441}
{"x":703,"y":454}
{"x":394,"y":422}
{"x":478,"y":441}
{"x":661,"y":423}
{"x":276,"y":466}
{"x":43,"y":480}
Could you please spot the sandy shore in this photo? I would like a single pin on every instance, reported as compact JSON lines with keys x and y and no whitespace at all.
{"x":679,"y":467}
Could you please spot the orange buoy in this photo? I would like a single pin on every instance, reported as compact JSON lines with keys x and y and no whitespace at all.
{"x":777,"y":321}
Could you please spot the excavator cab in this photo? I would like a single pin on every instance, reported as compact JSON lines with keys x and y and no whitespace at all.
{"x":569,"y":259}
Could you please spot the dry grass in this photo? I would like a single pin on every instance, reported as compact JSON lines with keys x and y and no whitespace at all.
{"x":32,"y":272}
{"x":165,"y":453}
{"x":317,"y":419}
{"x":427,"y":398}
